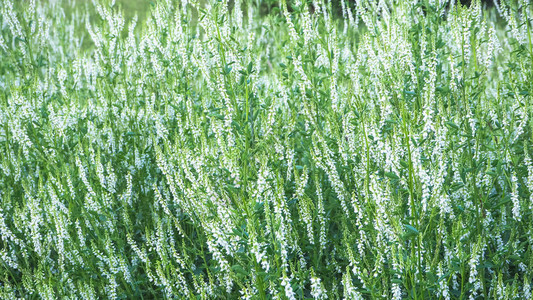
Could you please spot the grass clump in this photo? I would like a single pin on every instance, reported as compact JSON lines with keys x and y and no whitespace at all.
{"x":222,"y":151}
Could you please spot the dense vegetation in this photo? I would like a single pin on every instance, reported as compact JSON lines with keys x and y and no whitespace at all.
{"x":215,"y":151}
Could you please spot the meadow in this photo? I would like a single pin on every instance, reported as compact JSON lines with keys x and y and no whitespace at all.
{"x":254,"y":149}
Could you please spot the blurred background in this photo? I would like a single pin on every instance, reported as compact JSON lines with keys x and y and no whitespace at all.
{"x":141,"y":7}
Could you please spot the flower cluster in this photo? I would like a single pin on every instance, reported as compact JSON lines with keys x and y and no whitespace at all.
{"x":262,"y":150}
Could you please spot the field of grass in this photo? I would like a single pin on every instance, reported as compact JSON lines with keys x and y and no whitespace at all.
{"x":254,"y":150}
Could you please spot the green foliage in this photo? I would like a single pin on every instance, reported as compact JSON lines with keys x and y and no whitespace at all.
{"x":264,"y":149}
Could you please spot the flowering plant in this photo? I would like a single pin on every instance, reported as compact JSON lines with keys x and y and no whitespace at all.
{"x":221,"y":149}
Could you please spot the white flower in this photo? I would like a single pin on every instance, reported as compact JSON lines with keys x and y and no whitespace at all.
{"x":317,"y":290}
{"x":289,"y":293}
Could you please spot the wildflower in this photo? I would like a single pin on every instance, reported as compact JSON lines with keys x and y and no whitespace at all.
{"x":317,"y":290}
{"x":289,"y":293}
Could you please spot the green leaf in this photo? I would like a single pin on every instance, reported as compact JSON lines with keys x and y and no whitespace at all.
{"x":404,"y":164}
{"x":456,"y":186}
{"x":392,"y":175}
{"x":397,"y":281}
{"x":250,"y":68}
{"x":452,"y":125}
{"x":227,"y":70}
{"x":411,"y":229}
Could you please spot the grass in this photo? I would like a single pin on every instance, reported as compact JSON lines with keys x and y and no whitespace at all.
{"x":215,"y":150}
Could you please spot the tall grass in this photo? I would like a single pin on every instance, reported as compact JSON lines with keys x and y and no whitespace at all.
{"x":217,"y":151}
